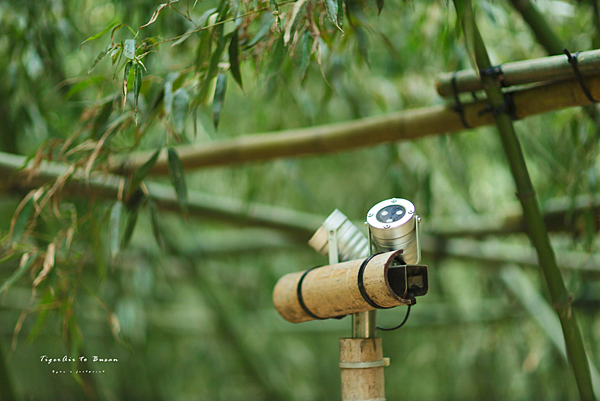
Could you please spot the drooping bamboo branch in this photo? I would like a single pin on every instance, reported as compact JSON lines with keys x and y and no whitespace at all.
{"x":406,"y":125}
{"x":531,"y":210}
{"x":544,"y":69}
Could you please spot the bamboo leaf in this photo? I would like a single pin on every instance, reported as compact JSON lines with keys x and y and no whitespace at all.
{"x":96,"y":36}
{"x":102,"y":54}
{"x":39,"y":322}
{"x":129,"y":228}
{"x":129,"y":49}
{"x":82,"y":85}
{"x":26,"y":260}
{"x":277,"y":56}
{"x":265,"y":27}
{"x":47,"y":265}
{"x":340,"y":13}
{"x":219,"y":98}
{"x":101,"y":120}
{"x":168,"y":92}
{"x":275,"y":11}
{"x":331,"y":7}
{"x":23,"y":217}
{"x":178,"y":179}
{"x":292,"y":23}
{"x":155,"y":223}
{"x":363,"y":44}
{"x":306,"y":53}
{"x":155,"y":14}
{"x":143,"y":171}
{"x":125,"y":77}
{"x":115,"y":29}
{"x":115,"y":229}
{"x":219,"y":33}
{"x":137,"y":85}
{"x":181,"y":102}
{"x":234,"y":61}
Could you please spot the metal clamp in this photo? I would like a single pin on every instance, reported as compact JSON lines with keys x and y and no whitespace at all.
{"x":417,"y":225}
{"x":365,"y":365}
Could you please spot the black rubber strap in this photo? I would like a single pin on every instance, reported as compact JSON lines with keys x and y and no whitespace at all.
{"x":361,"y":284}
{"x":301,"y":300}
{"x":572,"y":59}
{"x":507,"y":107}
{"x":458,"y":107}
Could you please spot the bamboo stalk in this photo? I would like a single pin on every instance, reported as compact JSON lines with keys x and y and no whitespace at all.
{"x":540,"y":27}
{"x":299,"y":226}
{"x":531,"y":212}
{"x":544,"y":69}
{"x":331,"y":138}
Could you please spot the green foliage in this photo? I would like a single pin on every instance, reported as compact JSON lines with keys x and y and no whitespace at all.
{"x":112,"y":278}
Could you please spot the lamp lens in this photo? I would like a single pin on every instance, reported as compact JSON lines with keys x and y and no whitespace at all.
{"x":391,"y":213}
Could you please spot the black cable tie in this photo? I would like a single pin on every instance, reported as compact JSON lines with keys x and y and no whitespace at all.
{"x":507,"y":107}
{"x":301,"y":300}
{"x":458,"y":107}
{"x":572,"y":59}
{"x":494,"y":71}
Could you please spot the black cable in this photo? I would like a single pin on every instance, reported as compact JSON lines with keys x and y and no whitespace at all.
{"x":400,"y":325}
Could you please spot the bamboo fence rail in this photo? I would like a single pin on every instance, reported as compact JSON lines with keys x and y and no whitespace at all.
{"x":300,"y":226}
{"x":405,"y":125}
{"x":544,"y":69}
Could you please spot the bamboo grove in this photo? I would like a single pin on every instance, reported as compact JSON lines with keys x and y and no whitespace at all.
{"x":152,"y":102}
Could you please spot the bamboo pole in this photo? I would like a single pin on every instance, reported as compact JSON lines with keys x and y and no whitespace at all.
{"x":300,"y":226}
{"x":331,"y":138}
{"x":544,"y":69}
{"x":540,"y":27}
{"x":531,"y":211}
{"x":362,"y":363}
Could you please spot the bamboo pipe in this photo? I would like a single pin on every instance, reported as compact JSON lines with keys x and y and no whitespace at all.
{"x":410,"y":124}
{"x":555,"y":68}
{"x":334,"y":290}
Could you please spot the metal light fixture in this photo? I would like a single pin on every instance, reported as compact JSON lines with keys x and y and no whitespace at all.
{"x":394,"y":225}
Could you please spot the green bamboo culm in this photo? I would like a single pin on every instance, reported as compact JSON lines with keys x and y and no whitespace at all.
{"x":540,"y":27}
{"x":531,"y":211}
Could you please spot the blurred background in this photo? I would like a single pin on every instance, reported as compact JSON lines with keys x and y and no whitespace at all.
{"x":193,"y":319}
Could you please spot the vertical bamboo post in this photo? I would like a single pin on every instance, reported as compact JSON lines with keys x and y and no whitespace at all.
{"x":536,"y":227}
{"x":362,"y":363}
{"x":361,"y":360}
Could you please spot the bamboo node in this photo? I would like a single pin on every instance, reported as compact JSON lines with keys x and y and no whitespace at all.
{"x":526,"y":194}
{"x":565,"y":303}
{"x":494,"y":71}
{"x":507,"y":107}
